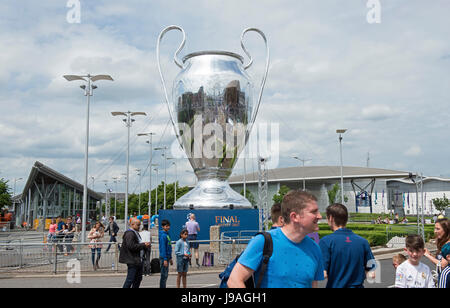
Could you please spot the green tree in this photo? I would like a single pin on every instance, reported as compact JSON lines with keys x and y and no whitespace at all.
{"x":334,"y":194}
{"x":5,"y":194}
{"x":441,"y":204}
{"x":133,"y":199}
{"x":277,"y":198}
{"x":250,"y":197}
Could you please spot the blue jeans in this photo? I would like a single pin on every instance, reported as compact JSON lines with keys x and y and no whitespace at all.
{"x":164,"y":273}
{"x":134,"y":276}
{"x":99,"y":254}
{"x":112,"y":239}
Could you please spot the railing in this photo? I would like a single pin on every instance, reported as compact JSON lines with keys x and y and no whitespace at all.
{"x":55,"y":257}
{"x":232,"y":243}
{"x":29,"y":254}
{"x":5,"y":226}
{"x":397,"y":237}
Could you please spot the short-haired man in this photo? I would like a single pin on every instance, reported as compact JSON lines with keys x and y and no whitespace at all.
{"x":346,"y":256}
{"x":130,"y":254}
{"x":296,"y":260}
{"x":193,"y":228}
{"x":275,"y":216}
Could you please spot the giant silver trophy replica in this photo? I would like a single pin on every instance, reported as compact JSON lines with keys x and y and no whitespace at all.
{"x":212,"y":108}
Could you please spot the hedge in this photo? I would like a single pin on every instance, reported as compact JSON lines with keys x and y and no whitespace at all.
{"x":376,"y":235}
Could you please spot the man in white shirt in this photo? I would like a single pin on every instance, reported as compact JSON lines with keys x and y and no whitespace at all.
{"x":193,"y":228}
{"x":412,"y":273}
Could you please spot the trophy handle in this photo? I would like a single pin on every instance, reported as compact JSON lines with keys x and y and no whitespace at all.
{"x":177,"y":62}
{"x":263,"y":82}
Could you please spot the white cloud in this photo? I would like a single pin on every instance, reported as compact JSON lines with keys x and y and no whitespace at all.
{"x":413,"y":150}
{"x":386,"y":83}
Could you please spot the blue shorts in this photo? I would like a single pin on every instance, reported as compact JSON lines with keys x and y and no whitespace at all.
{"x":182,"y":264}
{"x":192,"y":237}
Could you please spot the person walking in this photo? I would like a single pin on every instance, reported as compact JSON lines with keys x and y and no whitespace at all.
{"x":131,"y":254}
{"x":296,"y":260}
{"x":347,"y":257}
{"x":165,"y":252}
{"x":193,"y":228}
{"x":113,"y":229}
{"x":95,"y":235}
{"x":183,"y":255}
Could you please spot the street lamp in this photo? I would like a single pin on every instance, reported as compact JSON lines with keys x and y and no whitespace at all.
{"x":303,"y":161}
{"x":128,"y":120}
{"x":15,"y":180}
{"x":164,"y":148}
{"x":175,"y":186}
{"x":157,"y":185}
{"x":88,"y":92}
{"x":419,"y":209}
{"x":340,"y":132}
{"x":149,"y":141}
{"x":14,"y":193}
{"x":139,"y":202}
{"x":115,"y":196}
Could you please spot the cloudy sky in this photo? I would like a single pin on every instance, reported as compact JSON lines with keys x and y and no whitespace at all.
{"x":331,"y":67}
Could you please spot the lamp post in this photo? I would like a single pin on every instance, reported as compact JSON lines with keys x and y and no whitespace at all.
{"x":115,"y":196}
{"x":15,"y":180}
{"x":164,"y":148}
{"x":340,"y":132}
{"x":149,"y":141}
{"x":303,"y":161}
{"x":156,"y":191}
{"x":139,"y":202}
{"x":106,"y":200}
{"x":419,"y":208}
{"x":128,"y":120}
{"x":175,"y":185}
{"x":14,"y":192}
{"x":88,"y":92}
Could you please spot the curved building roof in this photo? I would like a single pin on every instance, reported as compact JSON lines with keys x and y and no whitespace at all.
{"x":321,"y":173}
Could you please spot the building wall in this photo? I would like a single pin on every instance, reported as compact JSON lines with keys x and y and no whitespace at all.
{"x":63,"y":201}
{"x":387,"y":195}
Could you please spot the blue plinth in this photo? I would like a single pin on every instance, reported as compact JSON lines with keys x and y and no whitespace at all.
{"x":228,"y":220}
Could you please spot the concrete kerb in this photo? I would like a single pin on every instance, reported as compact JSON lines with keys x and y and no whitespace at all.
{"x":380,"y":253}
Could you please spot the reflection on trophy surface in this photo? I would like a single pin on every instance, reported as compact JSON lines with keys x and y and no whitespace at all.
{"x":212,"y":110}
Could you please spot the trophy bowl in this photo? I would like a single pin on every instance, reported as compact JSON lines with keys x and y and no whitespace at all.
{"x":212,"y":108}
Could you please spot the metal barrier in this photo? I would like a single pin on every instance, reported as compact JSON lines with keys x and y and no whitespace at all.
{"x":57,"y":256}
{"x":396,"y":238}
{"x":232,"y":243}
{"x":5,"y":226}
{"x":22,"y":256}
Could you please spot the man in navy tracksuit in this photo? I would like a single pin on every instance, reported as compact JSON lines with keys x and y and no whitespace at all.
{"x":347,"y":257}
{"x":165,"y":252}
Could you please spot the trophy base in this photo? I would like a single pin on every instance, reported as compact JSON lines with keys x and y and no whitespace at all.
{"x":212,"y":194}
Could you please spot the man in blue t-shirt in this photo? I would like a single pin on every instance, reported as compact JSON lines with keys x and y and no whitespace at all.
{"x":296,"y":261}
{"x":347,"y":257}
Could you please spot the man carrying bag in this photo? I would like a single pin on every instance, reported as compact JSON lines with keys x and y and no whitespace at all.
{"x":131,"y":254}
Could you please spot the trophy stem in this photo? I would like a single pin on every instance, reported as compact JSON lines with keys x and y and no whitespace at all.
{"x":212,"y":193}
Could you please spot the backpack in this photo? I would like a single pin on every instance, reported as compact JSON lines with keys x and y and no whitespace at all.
{"x":155,"y":266}
{"x":250,"y":283}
